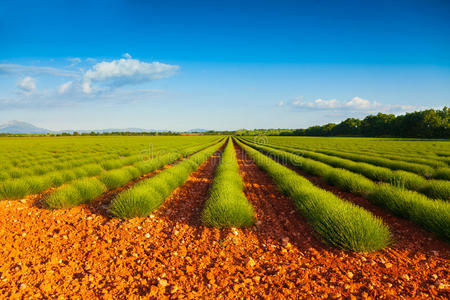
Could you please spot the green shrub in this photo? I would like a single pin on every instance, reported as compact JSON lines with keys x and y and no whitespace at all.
{"x":149,"y":194}
{"x":112,"y":164}
{"x":13,"y":189}
{"x":338,"y":222}
{"x":349,"y":182}
{"x":227,"y":206}
{"x":89,"y":189}
{"x":433,"y":215}
{"x":437,"y":189}
{"x":92,"y":170}
{"x":80,"y":191}
{"x":407,"y":180}
{"x":3,"y":175}
{"x":64,"y":197}
{"x":115,"y":178}
{"x":442,"y":173}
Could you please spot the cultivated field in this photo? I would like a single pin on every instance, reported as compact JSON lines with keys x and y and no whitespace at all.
{"x":216,"y":216}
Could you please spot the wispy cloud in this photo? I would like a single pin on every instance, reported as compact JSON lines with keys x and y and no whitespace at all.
{"x":64,"y":87}
{"x":74,"y":61}
{"x":69,"y":94}
{"x":36,"y":70}
{"x":27,"y":85}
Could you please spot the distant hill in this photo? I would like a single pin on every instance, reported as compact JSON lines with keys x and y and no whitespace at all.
{"x":18,"y":127}
{"x":197,"y":130}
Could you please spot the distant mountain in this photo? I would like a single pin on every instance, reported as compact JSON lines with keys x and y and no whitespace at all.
{"x":17,"y":127}
{"x":197,"y":130}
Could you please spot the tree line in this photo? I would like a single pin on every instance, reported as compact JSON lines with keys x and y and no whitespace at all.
{"x":430,"y":123}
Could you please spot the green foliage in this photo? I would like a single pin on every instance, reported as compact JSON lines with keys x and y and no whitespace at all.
{"x":149,"y":194}
{"x":346,"y":180}
{"x":437,"y":189}
{"x":407,"y":204}
{"x":338,"y":222}
{"x":13,"y":189}
{"x":383,"y":162}
{"x":80,"y":191}
{"x":433,"y":215}
{"x":429,"y":123}
{"x":432,"y":188}
{"x":62,"y":160}
{"x":115,"y":178}
{"x":85,"y":190}
{"x":442,"y":173}
{"x":227,"y":206}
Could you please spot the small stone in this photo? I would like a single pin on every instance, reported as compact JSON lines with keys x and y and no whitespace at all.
{"x":251,"y":263}
{"x":23,"y":200}
{"x":23,"y":286}
{"x":434,"y":276}
{"x":435,"y":253}
{"x":257,"y":279}
{"x":350,"y":275}
{"x":147,"y":235}
{"x":406,"y":277}
{"x":24,"y":234}
{"x":388,"y":265}
{"x":163,"y":282}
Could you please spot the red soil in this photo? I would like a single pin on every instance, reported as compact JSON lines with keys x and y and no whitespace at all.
{"x":83,"y":253}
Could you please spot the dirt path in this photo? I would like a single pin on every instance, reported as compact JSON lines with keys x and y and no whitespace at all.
{"x":82,"y":254}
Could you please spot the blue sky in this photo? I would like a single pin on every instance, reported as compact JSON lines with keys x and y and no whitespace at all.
{"x":234,"y":64}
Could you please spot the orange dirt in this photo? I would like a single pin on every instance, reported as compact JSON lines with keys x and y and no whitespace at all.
{"x":83,"y":253}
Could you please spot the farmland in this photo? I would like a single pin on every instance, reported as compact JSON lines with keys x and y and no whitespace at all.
{"x":219,"y":216}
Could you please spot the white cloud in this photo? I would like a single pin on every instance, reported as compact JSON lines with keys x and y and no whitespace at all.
{"x":27,"y":85}
{"x":318,"y":103}
{"x":356,"y":104}
{"x":126,"y":71}
{"x":281,"y":104}
{"x":64,"y":87}
{"x":361,"y":104}
{"x":127,"y":55}
{"x":35,"y":70}
{"x":99,"y":83}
